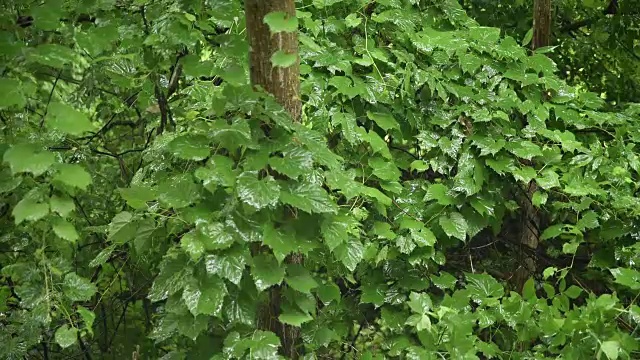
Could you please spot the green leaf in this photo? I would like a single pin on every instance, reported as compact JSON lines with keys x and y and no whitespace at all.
{"x":350,"y":254}
{"x":282,"y":243}
{"x":137,"y":196}
{"x":420,"y":302}
{"x":192,"y":245}
{"x":524,"y":149}
{"x":384,"y":120}
{"x":548,"y":180}
{"x":263,"y":345}
{"x":62,"y":205}
{"x":300,"y":279}
{"x":178,"y":191}
{"x":266,"y":271}
{"x":29,"y":158}
{"x":384,"y":170}
{"x":11,"y":94}
{"x":280,"y":21}
{"x":529,"y":289}
{"x":440,"y":193}
{"x":488,"y":145}
{"x":205,"y":297}
{"x":405,"y":244}
{"x":283,"y":59}
{"x":483,"y":206}
{"x":88,"y":317}
{"x":29,"y":209}
{"x":308,"y":197}
{"x":65,"y":230}
{"x":257,"y":193}
{"x":484,"y":286}
{"x":627,"y":277}
{"x":294,"y":162}
{"x":66,"y":336}
{"x":353,"y":20}
{"x":420,"y":321}
{"x":552,"y":231}
{"x":539,"y":198}
{"x":573,"y":292}
{"x":527,"y":37}
{"x":548,"y":272}
{"x":174,"y":272}
{"x":444,"y":280}
{"x":570,"y":247}
{"x":610,"y":348}
{"x":73,"y":175}
{"x":295,"y":318}
{"x":454,"y":225}
{"x":67,"y":120}
{"x":77,"y":288}
{"x":336,"y":229}
{"x":229,"y":265}
{"x":588,"y":220}
{"x":214,"y":236}
{"x":190,"y":147}
{"x":121,"y":228}
{"x":219,"y":171}
{"x":328,"y":292}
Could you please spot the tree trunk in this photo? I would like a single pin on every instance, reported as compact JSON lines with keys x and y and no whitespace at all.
{"x":541,"y":23}
{"x":530,"y":224}
{"x":284,"y":85}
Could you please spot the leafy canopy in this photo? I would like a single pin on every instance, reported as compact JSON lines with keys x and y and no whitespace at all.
{"x":145,"y":210}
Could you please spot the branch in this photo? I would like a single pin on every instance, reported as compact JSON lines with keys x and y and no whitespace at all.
{"x":55,"y":83}
{"x":612,"y":9}
{"x":162,"y":104}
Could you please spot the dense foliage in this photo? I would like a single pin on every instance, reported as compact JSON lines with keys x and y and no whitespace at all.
{"x":149,"y":196}
{"x":596,"y":42}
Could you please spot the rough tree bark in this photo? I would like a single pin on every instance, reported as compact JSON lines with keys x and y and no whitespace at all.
{"x":530,"y":225}
{"x":284,"y":85}
{"x":541,"y":23}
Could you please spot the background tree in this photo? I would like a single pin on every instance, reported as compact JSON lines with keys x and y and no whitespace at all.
{"x":597,"y":44}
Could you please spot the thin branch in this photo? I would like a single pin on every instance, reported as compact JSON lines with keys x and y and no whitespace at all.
{"x":115,"y":331}
{"x":53,"y":88}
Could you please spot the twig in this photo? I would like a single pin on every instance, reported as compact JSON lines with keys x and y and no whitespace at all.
{"x":53,"y":88}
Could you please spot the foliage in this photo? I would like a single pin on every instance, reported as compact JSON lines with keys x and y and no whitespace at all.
{"x":595,"y":42}
{"x":150,"y":196}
